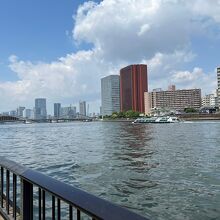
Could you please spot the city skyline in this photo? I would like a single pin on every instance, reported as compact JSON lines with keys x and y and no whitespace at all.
{"x":127,"y":91}
{"x":62,"y":58}
{"x":59,"y":110}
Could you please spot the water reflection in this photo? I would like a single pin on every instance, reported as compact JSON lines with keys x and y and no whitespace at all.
{"x":134,"y":147}
{"x":166,"y":171}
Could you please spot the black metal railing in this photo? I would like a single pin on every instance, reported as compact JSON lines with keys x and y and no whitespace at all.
{"x":26,"y":194}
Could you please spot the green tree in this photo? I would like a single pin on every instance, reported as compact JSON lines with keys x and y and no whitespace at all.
{"x":190,"y":110}
{"x":131,"y":114}
{"x":121,"y":115}
{"x":114,"y":115}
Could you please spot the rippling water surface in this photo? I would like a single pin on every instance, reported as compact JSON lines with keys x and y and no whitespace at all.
{"x":163,"y":171}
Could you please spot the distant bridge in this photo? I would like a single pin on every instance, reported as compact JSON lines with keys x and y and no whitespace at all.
{"x":62,"y":119}
{"x":7,"y":118}
{"x":58,"y":120}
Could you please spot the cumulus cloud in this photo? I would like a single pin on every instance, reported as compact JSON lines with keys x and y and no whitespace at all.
{"x":207,"y":8}
{"x":196,"y":78}
{"x":133,"y":30}
{"x":121,"y":32}
{"x":162,"y":65}
{"x":186,"y":76}
{"x":144,"y":28}
{"x":69,"y":79}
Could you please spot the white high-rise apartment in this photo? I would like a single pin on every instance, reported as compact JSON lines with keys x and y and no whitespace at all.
{"x":110,"y":92}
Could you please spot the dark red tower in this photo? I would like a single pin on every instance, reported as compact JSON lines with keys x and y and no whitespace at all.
{"x":133,"y":84}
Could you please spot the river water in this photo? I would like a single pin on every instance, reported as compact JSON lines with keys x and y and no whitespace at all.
{"x":162,"y":171}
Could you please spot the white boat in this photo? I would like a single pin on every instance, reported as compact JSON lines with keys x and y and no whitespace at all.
{"x":28,"y":122}
{"x":164,"y":119}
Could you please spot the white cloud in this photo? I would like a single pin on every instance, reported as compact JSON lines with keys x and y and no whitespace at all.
{"x":161,"y":66}
{"x":144,"y":28}
{"x":13,"y":58}
{"x":197,"y":78}
{"x":156,"y":32}
{"x":132,"y":30}
{"x":165,"y":69}
{"x":209,"y":8}
{"x":69,"y":79}
{"x":186,"y":76}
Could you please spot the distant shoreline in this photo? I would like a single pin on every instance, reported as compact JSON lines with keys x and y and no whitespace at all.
{"x":199,"y":117}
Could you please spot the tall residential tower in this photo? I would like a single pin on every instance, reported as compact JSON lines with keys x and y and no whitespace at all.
{"x":82,"y":108}
{"x":57,"y":110}
{"x":40,"y":109}
{"x":133,"y":84}
{"x":110,"y":94}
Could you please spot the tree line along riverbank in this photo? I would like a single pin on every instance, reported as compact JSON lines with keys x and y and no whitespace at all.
{"x":131,"y":115}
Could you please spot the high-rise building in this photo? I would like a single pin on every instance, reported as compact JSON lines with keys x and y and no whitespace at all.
{"x":57,"y":110}
{"x":133,"y":84}
{"x":68,"y":112}
{"x":20,"y":111}
{"x":72,"y":111}
{"x":110,"y":94}
{"x":174,"y":100}
{"x":40,"y":109}
{"x":82,"y":108}
{"x":64,"y":112}
{"x":13,"y":113}
{"x":218,"y":90}
{"x":29,"y":114}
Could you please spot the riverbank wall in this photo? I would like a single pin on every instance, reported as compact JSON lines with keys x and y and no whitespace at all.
{"x":199,"y":117}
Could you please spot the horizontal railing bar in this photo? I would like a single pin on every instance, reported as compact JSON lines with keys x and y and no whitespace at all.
{"x":95,"y":207}
{"x":90,"y":204}
{"x":12,"y":166}
{"x":4,"y":215}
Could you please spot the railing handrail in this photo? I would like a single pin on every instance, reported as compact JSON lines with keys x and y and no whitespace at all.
{"x":82,"y":200}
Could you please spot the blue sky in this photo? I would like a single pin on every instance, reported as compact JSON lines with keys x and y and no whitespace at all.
{"x":60,"y":49}
{"x":35,"y":30}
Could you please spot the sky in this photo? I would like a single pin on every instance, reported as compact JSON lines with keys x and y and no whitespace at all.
{"x":61,"y":49}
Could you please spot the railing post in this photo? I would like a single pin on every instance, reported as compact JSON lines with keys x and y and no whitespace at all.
{"x":26,"y":200}
{"x":2,"y":187}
